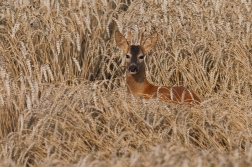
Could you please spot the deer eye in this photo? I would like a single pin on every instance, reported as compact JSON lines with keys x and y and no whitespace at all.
{"x":127,"y":56}
{"x":141,"y":57}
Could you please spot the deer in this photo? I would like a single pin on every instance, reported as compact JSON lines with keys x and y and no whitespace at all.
{"x":136,"y":79}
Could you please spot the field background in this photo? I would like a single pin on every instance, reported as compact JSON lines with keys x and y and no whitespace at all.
{"x":63,"y":100}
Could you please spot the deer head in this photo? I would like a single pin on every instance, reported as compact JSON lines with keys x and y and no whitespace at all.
{"x":135,"y":53}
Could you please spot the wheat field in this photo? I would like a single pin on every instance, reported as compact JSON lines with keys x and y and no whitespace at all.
{"x":63,"y":100}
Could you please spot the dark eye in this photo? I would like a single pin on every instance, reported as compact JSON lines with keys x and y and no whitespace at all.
{"x":141,"y":57}
{"x":127,"y":56}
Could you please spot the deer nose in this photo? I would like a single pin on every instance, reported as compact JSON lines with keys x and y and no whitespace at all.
{"x":133,"y":68}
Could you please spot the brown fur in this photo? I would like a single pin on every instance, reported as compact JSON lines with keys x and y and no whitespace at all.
{"x":142,"y":88}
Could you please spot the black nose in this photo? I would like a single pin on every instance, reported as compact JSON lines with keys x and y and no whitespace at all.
{"x":133,"y":68}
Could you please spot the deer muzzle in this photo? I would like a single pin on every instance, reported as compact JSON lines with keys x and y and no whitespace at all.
{"x":133,"y":69}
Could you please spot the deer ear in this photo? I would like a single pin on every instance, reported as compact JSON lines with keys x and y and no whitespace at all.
{"x":150,"y":42}
{"x":121,"y":42}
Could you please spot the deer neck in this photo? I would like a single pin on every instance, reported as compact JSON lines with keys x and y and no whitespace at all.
{"x":137,"y":83}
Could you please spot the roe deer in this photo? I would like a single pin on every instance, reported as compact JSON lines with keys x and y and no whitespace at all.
{"x":136,"y":76}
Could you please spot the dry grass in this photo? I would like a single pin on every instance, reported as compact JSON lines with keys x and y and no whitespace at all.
{"x":62,"y":91}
